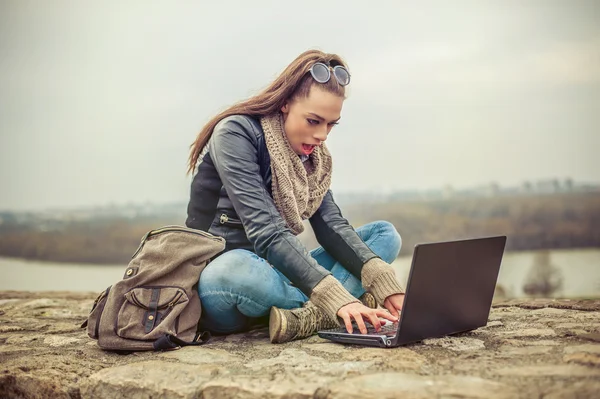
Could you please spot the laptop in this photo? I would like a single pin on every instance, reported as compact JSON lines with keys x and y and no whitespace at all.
{"x":450,"y":289}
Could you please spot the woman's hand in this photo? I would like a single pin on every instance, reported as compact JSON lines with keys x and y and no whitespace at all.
{"x":357,"y":311}
{"x":394,"y":303}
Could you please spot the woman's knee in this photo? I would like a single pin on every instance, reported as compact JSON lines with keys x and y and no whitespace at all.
{"x":237,"y":270}
{"x":391,"y":240}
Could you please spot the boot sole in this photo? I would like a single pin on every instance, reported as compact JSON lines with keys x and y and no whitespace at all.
{"x":277,"y":325}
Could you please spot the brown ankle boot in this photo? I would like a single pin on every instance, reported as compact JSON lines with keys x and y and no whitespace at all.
{"x":368,"y":300}
{"x":289,"y":324}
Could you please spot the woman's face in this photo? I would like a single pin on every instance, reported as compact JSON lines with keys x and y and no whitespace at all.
{"x":308,"y":121}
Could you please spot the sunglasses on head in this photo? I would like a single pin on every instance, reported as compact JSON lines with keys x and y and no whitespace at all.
{"x":322,"y":73}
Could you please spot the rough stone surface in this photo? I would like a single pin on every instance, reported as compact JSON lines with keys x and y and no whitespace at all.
{"x":530,"y":348}
{"x":411,"y":386}
{"x":570,"y":304}
{"x":457,"y":344}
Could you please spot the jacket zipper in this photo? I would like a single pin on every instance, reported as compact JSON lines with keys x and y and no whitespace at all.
{"x":228,"y":221}
{"x":174,"y":228}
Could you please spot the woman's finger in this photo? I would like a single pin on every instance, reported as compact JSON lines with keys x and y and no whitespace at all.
{"x":347,"y":322}
{"x":398,"y":303}
{"x":359,"y":322}
{"x":390,"y":306}
{"x":386,"y":315}
{"x":374,"y":320}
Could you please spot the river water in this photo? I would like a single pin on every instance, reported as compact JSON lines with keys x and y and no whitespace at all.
{"x":579,"y":270}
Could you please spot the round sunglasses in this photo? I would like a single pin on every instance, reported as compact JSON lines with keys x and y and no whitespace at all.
{"x":322,"y":73}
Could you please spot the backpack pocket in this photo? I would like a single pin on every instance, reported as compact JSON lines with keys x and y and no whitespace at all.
{"x":150,"y":312}
{"x":93,"y":321}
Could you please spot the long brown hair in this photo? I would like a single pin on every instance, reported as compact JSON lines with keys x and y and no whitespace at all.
{"x":293,"y":82}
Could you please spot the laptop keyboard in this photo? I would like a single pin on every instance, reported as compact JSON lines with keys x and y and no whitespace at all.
{"x":387,"y":329}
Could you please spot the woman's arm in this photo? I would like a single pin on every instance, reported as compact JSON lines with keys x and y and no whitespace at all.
{"x":233,"y":148}
{"x":340,"y":240}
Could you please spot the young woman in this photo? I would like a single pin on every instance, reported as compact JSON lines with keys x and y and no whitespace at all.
{"x":262,"y":167}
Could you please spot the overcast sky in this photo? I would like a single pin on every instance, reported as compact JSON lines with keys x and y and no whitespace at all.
{"x":100,"y":100}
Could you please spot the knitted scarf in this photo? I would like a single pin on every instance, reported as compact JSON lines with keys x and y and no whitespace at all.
{"x":298,"y":189}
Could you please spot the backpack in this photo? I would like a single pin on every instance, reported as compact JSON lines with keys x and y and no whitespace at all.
{"x":156,"y":305}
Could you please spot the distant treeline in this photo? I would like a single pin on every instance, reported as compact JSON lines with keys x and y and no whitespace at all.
{"x":570,"y":220}
{"x":107,"y":241}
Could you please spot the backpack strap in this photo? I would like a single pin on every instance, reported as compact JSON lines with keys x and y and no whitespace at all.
{"x":151,"y":314}
{"x":170,"y":342}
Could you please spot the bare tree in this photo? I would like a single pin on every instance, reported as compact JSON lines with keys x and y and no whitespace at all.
{"x":543,"y":279}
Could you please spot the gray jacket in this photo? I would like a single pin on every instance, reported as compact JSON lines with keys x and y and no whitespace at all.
{"x":231,"y":197}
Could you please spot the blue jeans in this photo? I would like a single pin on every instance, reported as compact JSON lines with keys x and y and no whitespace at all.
{"x":238,"y":288}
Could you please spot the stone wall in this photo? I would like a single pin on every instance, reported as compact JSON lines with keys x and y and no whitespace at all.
{"x":542,"y":348}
